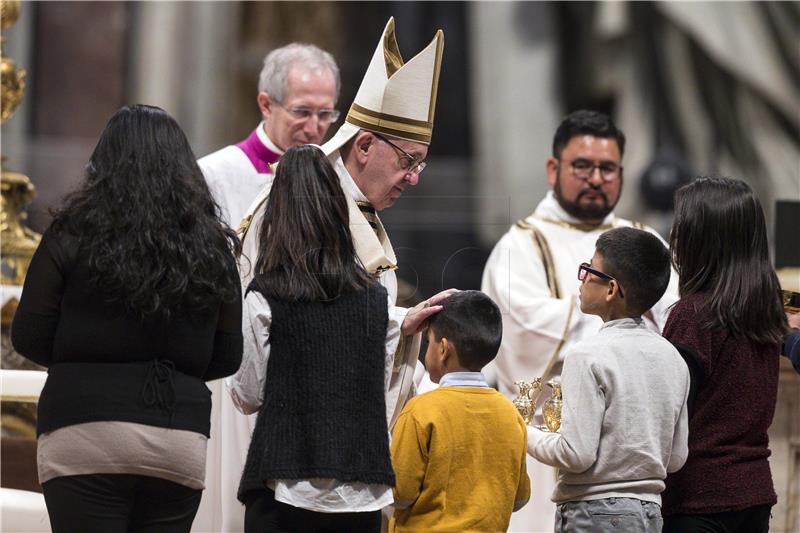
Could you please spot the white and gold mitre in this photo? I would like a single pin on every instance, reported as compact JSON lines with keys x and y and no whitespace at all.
{"x":396,"y":98}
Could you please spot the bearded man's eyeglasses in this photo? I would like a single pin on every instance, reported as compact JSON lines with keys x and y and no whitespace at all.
{"x":583,"y":169}
{"x":407,"y":162}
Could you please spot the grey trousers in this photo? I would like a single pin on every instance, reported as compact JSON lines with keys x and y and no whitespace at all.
{"x":623,"y":515}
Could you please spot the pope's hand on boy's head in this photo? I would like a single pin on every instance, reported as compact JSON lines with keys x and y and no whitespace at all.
{"x":417,"y":318}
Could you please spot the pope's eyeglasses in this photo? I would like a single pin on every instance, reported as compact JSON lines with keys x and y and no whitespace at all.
{"x":408,"y":162}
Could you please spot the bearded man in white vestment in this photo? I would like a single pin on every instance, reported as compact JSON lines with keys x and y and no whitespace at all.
{"x":297,"y":90}
{"x":378,"y":152}
{"x":532,"y":274}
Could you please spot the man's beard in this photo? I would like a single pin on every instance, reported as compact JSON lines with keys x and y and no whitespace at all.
{"x":592,"y":211}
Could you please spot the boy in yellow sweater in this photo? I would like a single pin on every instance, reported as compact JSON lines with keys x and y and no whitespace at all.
{"x":458,"y":452}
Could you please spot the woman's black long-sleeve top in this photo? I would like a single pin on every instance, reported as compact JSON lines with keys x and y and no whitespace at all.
{"x":105,"y":363}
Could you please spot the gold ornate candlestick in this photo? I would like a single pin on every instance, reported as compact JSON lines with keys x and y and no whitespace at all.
{"x":17,"y":243}
{"x":13,"y":77}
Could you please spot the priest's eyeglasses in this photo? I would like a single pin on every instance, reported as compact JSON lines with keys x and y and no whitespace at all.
{"x":583,"y":169}
{"x":585,"y":269}
{"x":408,"y":162}
{"x":305,"y":113}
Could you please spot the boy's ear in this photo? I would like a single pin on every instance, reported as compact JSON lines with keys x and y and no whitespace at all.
{"x":613,"y":290}
{"x":446,"y":350}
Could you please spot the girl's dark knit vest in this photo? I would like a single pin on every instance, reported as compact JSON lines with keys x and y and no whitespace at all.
{"x":324,"y":411}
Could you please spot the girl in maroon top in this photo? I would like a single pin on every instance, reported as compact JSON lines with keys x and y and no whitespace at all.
{"x":731,"y":322}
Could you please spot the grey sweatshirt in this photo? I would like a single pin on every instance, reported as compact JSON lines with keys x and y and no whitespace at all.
{"x":624,"y":423}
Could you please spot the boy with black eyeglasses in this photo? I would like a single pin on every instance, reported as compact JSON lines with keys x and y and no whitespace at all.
{"x":624,"y":421}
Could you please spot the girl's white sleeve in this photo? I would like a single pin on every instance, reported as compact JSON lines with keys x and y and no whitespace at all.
{"x":246,"y":386}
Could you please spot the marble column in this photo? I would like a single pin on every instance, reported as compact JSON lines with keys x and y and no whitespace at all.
{"x":513,"y":47}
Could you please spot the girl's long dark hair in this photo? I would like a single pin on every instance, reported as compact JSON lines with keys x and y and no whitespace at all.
{"x":146,"y":222}
{"x":719,"y":248}
{"x":306,"y":252}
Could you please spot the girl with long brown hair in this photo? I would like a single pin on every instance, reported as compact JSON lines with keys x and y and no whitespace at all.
{"x":319,"y":456}
{"x":731,"y":322}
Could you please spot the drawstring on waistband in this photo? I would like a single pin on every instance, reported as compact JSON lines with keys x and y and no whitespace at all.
{"x":159,"y":389}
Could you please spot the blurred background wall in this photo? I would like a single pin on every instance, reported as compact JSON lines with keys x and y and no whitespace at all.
{"x":699,"y":88}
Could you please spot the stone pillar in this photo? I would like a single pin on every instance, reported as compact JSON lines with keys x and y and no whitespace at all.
{"x":184,"y":59}
{"x":514,"y":106}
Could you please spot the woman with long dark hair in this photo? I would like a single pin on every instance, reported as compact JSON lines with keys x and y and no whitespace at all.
{"x":132,"y":301}
{"x":319,"y":456}
{"x":730,"y":319}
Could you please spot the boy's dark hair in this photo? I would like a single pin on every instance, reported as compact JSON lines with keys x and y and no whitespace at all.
{"x":472,"y":322}
{"x":640,"y":262}
{"x":583,"y":122}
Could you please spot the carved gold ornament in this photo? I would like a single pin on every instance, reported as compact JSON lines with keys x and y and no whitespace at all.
{"x":17,"y":243}
{"x":13,"y":83}
{"x":12,"y":76}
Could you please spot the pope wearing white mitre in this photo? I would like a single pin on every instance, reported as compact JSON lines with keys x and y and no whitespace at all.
{"x":394,"y":106}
